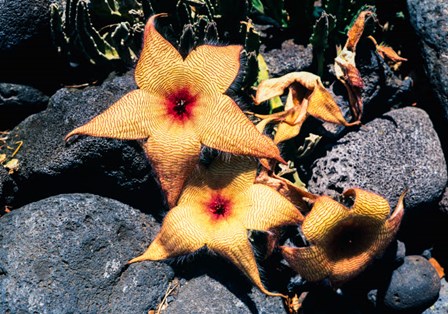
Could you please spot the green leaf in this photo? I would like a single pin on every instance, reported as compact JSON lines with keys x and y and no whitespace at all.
{"x":257,"y":5}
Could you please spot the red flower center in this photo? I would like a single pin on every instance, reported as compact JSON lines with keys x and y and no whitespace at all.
{"x":219,"y":207}
{"x":180,"y":104}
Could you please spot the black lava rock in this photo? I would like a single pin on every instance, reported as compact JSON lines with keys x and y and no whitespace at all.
{"x":397,"y":151}
{"x":68,"y":254}
{"x":441,"y":305}
{"x":27,"y":54}
{"x":112,"y":168}
{"x":429,"y":19}
{"x":206,"y":295}
{"x":443,"y":205}
{"x":7,"y":188}
{"x":18,"y":102}
{"x":414,"y":286}
{"x":290,"y":57}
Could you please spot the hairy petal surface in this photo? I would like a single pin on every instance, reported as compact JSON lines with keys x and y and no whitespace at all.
{"x":325,"y":215}
{"x":126,"y":119}
{"x":235,"y":133}
{"x":346,"y":239}
{"x":310,"y":262}
{"x":160,"y":65}
{"x":179,"y":224}
{"x":216,"y":67}
{"x":231,"y":242}
{"x":368,"y":204}
{"x":173,"y":155}
{"x":268,"y":209}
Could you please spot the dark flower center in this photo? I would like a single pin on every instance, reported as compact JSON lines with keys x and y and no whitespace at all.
{"x":180,"y":104}
{"x":351,"y":238}
{"x":219,"y":207}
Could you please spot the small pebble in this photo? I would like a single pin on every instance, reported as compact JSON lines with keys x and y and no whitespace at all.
{"x":414,"y":286}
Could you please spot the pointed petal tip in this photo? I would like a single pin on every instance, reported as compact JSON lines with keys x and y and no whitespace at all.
{"x":156,"y":16}
{"x":273,"y":294}
{"x":135,"y":260}
{"x":398,"y":213}
{"x":72,"y":133}
{"x":151,"y":20}
{"x":144,"y":257}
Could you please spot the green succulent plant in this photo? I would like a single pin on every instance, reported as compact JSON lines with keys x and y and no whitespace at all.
{"x":105,"y":33}
{"x":108,"y":33}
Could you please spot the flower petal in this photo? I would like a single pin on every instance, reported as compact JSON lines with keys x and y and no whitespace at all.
{"x":134,"y":116}
{"x":236,"y":134}
{"x":310,"y":262}
{"x":276,"y":86}
{"x":229,"y":176}
{"x":235,"y":174}
{"x":173,"y":153}
{"x":267,"y":209}
{"x":324,"y":216}
{"x":345,"y":269}
{"x":368,"y":204}
{"x":180,"y":234}
{"x":287,"y":189}
{"x":394,"y":221}
{"x":230,"y":241}
{"x":160,"y":65}
{"x":214,"y":67}
{"x":321,"y":105}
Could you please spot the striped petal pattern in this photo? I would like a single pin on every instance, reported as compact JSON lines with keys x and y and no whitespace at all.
{"x":216,"y":208}
{"x":344,"y":240}
{"x":179,"y":107}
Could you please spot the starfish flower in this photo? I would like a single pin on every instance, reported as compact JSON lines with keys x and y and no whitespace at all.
{"x":307,"y":96}
{"x":216,"y":209}
{"x":180,"y":104}
{"x":344,"y":240}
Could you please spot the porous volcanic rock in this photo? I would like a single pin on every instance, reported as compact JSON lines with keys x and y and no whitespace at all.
{"x":27,"y":54}
{"x":68,"y":254}
{"x":7,"y":188}
{"x":441,"y":305}
{"x":430,"y":21}
{"x":17,"y":102}
{"x":290,"y":57}
{"x":397,"y":151}
{"x":206,"y":295}
{"x":112,"y":168}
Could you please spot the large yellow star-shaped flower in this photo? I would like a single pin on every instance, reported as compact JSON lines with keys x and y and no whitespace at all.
{"x":344,"y":240}
{"x":216,"y":209}
{"x":179,"y":106}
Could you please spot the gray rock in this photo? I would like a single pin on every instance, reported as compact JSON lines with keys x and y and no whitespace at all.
{"x":443,"y":204}
{"x":206,"y":295}
{"x":108,"y":167}
{"x":7,"y":189}
{"x":382,"y":88}
{"x":21,"y":21}
{"x":387,"y":155}
{"x":68,"y":254}
{"x":27,"y":54}
{"x":290,"y":57}
{"x":17,"y":102}
{"x":430,"y":21}
{"x":441,"y":305}
{"x":414,"y":286}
